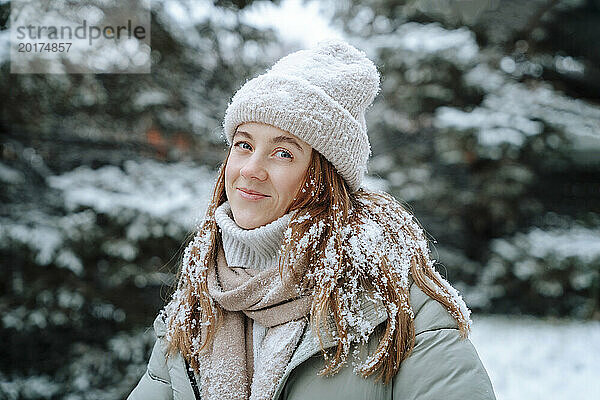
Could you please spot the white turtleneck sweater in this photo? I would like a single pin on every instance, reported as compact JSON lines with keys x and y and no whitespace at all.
{"x":251,"y":248}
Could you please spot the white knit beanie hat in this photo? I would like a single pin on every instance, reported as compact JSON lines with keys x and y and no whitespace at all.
{"x":320,"y":95}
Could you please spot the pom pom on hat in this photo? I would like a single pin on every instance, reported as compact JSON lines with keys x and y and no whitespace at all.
{"x":319,"y":95}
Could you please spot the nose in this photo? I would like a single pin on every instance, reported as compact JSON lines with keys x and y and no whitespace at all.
{"x":254,"y":168}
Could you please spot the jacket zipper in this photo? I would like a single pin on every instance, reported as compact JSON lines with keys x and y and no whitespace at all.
{"x":192,"y":379}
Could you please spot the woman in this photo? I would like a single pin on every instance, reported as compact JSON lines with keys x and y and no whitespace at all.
{"x":301,"y":284}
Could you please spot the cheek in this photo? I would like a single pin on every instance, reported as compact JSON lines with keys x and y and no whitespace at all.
{"x":231,"y":171}
{"x":290,"y":183}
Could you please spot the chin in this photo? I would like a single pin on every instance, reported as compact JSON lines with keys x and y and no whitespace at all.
{"x":251,"y":224}
{"x":249,"y":221}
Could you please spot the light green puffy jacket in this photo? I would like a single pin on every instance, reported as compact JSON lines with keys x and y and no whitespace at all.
{"x":441,"y":366}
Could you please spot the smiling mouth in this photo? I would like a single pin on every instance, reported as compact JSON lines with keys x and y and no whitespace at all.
{"x":251,"y":195}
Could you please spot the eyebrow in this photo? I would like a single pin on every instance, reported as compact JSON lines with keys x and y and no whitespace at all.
{"x":276,"y":139}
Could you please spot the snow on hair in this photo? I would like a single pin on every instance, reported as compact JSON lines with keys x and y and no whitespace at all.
{"x":362,"y":246}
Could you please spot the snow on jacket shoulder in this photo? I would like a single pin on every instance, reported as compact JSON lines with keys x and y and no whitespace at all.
{"x":441,"y":366}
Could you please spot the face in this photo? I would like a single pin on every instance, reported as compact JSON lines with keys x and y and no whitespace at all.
{"x":264,"y":172}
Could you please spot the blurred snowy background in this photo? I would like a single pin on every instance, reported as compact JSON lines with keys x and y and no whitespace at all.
{"x":487,"y":128}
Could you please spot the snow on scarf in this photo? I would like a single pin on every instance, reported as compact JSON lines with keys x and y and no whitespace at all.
{"x":227,"y":368}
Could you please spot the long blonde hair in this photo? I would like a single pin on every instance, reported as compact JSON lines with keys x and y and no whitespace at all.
{"x":359,"y":243}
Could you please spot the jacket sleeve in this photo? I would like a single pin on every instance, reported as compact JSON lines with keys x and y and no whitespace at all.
{"x":442,"y":365}
{"x":155,"y":384}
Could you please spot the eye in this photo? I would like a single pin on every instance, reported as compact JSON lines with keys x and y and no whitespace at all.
{"x":286,"y":154}
{"x":240,"y":144}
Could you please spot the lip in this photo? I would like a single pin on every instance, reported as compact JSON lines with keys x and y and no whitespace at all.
{"x":251,"y":194}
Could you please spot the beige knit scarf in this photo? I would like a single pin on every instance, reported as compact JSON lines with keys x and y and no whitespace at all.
{"x":247,"y":294}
